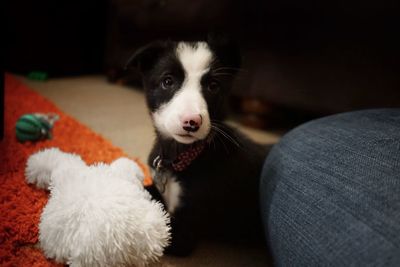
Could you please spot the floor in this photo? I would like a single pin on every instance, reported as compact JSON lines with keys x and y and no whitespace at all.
{"x":120,"y":115}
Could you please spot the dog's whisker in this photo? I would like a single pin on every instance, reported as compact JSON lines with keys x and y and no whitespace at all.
{"x":220,"y":138}
{"x":214,"y":141}
{"x":223,"y":143}
{"x":226,"y":135}
{"x":215,"y":146}
{"x":232,"y":139}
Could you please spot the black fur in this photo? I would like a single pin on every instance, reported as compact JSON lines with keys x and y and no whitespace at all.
{"x":220,"y":187}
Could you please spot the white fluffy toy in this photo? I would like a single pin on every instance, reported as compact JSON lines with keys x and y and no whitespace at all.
{"x":98,"y":215}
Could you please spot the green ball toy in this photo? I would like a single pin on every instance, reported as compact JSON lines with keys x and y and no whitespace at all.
{"x":34,"y":127}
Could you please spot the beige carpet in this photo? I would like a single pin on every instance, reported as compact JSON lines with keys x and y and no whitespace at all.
{"x":119,"y":114}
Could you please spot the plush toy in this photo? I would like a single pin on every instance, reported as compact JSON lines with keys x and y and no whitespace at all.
{"x":97,"y":215}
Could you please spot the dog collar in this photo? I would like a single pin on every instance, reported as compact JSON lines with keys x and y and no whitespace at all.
{"x":182,"y":161}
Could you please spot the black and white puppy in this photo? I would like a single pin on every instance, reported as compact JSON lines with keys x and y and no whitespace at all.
{"x":205,"y":172}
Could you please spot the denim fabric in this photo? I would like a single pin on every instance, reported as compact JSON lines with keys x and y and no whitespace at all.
{"x":330,"y":192}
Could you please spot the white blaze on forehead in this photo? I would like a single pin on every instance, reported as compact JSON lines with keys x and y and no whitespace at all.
{"x":195,"y":59}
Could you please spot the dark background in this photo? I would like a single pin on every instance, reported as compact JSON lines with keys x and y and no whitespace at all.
{"x":305,"y":57}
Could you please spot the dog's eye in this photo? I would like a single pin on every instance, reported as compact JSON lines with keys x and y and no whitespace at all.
{"x":213,"y":86}
{"x":167,"y":82}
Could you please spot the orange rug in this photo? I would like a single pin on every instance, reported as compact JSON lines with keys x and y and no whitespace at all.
{"x":21,"y":204}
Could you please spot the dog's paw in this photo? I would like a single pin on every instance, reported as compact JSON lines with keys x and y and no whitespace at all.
{"x":40,"y":166}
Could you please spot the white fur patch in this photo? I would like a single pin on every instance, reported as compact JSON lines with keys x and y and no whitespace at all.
{"x":195,"y":59}
{"x":172,"y":194}
{"x":196,"y":62}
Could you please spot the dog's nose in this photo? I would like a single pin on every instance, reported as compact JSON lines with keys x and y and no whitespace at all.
{"x":191,"y":122}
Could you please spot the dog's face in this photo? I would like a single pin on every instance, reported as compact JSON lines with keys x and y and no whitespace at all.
{"x":186,"y":85}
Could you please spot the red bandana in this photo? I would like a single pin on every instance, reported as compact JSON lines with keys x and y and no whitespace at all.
{"x":179,"y":164}
{"x":185,"y":158}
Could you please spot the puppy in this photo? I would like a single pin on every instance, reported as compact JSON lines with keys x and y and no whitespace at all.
{"x":205,"y":172}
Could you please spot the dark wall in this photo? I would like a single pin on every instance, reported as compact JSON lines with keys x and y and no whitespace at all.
{"x":316,"y":55}
{"x":60,"y":37}
{"x":70,"y":36}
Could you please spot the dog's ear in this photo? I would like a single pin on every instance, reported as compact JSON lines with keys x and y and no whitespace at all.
{"x":226,"y":49}
{"x":145,"y":57}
